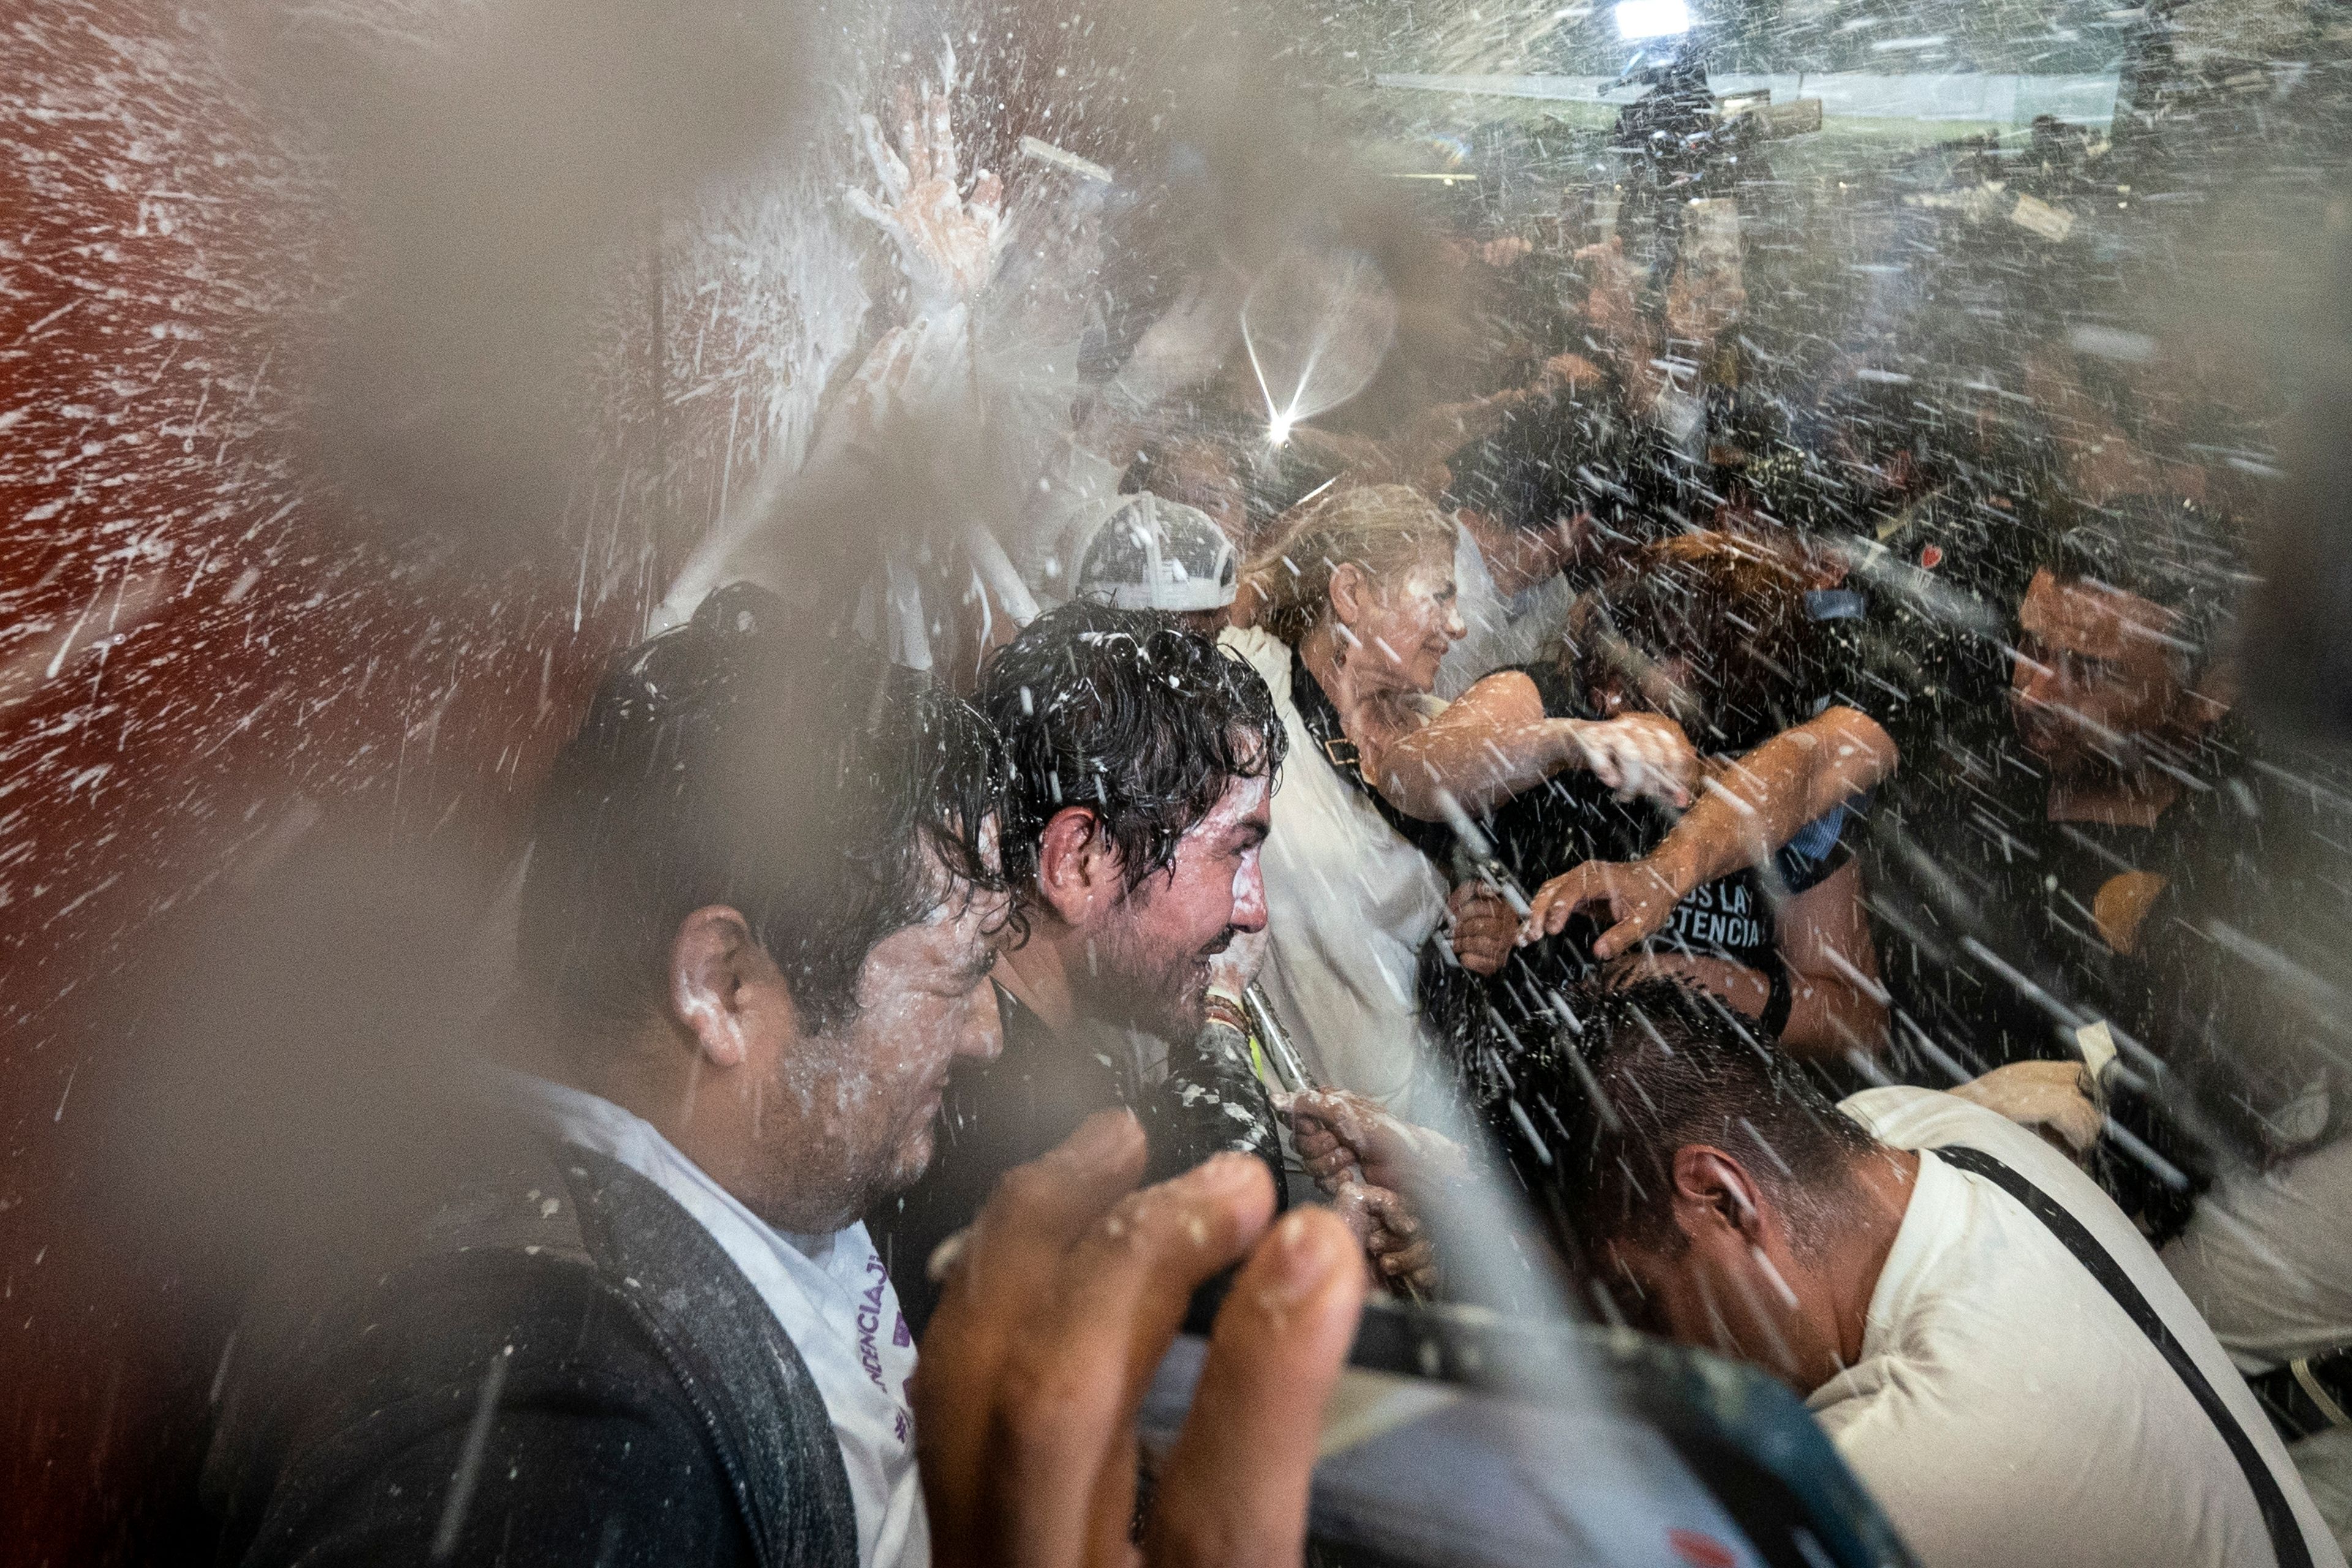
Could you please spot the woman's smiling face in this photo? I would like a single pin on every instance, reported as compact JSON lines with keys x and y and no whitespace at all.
{"x":1406,"y":622}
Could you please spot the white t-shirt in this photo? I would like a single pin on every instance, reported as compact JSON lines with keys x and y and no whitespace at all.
{"x":2005,"y":1410}
{"x":1502,"y":632}
{"x":831,"y":1295}
{"x":1349,"y":905}
{"x":2267,"y":1259}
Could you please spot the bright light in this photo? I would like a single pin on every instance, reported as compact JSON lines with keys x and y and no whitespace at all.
{"x":1279,"y":431}
{"x":1652,"y":18}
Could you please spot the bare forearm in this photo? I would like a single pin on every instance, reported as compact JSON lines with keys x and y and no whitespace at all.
{"x":1479,"y":765}
{"x":1745,"y":815}
{"x":1829,"y":1016}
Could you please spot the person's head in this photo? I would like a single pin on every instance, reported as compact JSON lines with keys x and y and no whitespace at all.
{"x":1143,"y":760}
{"x":1705,"y":1188}
{"x":2115,"y":633}
{"x":1532,"y":484}
{"x":1371,"y":568}
{"x":1162,"y":556}
{"x":1709,"y":629}
{"x":761,"y":907}
{"x":1201,"y":471}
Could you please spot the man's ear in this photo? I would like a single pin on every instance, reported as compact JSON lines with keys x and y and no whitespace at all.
{"x":1713,"y":1192}
{"x":1077,"y":867}
{"x":712,"y":959}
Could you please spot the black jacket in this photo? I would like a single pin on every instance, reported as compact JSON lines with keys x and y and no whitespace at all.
{"x":1001,"y":1113}
{"x":565,"y":1369}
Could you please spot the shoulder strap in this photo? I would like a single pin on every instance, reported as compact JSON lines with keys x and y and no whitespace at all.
{"x":2278,"y":1517}
{"x":1434,"y":840}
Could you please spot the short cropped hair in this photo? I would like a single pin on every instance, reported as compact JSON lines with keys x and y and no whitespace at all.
{"x":1651,"y":1069}
{"x":1141,"y":721}
{"x":737,"y":760}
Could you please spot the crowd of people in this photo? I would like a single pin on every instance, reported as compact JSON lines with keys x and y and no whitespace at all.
{"x":1816,"y":857}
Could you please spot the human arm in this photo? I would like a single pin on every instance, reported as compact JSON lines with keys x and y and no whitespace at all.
{"x":1056,"y":1315}
{"x":1835,"y":1003}
{"x":1741,"y":818}
{"x":1495,"y":741}
{"x":948,"y":245}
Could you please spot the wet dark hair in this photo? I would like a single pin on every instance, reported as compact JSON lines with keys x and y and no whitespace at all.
{"x":1734,"y":609}
{"x":2166,"y":550}
{"x":1651,"y":1069}
{"x":736,"y":761}
{"x":1141,"y":721}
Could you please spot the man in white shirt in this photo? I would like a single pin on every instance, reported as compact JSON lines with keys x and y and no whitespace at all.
{"x":756,"y":933}
{"x":2001,"y":1402}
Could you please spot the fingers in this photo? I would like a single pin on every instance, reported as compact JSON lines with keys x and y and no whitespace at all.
{"x":913,"y":138}
{"x":866,"y":207}
{"x":1235,"y":1491}
{"x":1559,"y":900}
{"x":887,"y":168}
{"x":940,"y":130}
{"x":1638,"y":926}
{"x":1012,"y":1260}
{"x":1077,"y":1370}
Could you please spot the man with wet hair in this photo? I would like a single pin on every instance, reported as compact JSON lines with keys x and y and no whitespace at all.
{"x":1142,"y":759}
{"x":1991,"y":1343}
{"x":756,"y":930}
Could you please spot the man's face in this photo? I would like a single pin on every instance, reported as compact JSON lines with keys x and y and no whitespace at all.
{"x":1150,"y":952}
{"x":2094,"y":675}
{"x":1722,"y":1296}
{"x":865,"y":1100}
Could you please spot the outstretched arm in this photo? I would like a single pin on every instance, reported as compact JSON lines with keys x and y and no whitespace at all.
{"x":1742,"y":818}
{"x":1494,"y":741}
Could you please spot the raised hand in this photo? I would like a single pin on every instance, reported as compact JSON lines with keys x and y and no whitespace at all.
{"x":1056,"y":1312}
{"x":1640,"y":754}
{"x":1640,"y":900}
{"x":947,"y":243}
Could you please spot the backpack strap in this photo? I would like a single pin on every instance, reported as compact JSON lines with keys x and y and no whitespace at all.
{"x":2278,"y":1518}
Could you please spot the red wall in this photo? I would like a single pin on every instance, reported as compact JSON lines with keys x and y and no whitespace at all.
{"x":198,"y":658}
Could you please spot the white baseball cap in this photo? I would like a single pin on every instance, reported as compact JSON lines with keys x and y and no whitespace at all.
{"x":1146,"y":553}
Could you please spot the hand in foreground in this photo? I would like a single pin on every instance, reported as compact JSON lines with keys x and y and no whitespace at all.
{"x":1640,"y":754}
{"x":948,"y":247}
{"x":2051,"y":1097}
{"x":1344,"y":1138}
{"x":1056,"y":1312}
{"x":1482,"y":926}
{"x":1640,"y":899}
{"x":1391,"y":1235}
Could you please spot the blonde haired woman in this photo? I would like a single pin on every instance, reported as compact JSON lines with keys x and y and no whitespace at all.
{"x":1355,"y":606}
